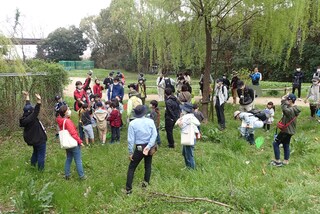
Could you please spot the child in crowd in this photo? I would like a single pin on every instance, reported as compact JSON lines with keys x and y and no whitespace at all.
{"x":86,"y":119}
{"x":198,"y":114}
{"x":57,"y":105}
{"x":81,"y":110}
{"x":313,"y":97}
{"x":101,"y":120}
{"x":115,"y":123}
{"x":155,"y":116}
{"x":269,"y":111}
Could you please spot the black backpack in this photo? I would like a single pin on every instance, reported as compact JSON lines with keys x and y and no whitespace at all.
{"x":169,"y":85}
{"x":259,"y":114}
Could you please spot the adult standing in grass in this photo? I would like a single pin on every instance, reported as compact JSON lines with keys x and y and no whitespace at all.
{"x":219,"y":99}
{"x":142,"y":90}
{"x":297,"y":81}
{"x":107,"y":82}
{"x":34,"y":133}
{"x":171,"y":115}
{"x":246,"y":96}
{"x":189,"y":127}
{"x":234,"y":85}
{"x":115,"y":90}
{"x":160,"y":88}
{"x":142,"y":134}
{"x":74,"y":153}
{"x":290,"y":112}
{"x":313,"y":97}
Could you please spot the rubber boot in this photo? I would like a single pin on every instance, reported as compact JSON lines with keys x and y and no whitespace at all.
{"x":251,"y":139}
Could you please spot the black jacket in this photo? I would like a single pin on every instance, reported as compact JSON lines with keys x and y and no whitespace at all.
{"x":172,"y":108}
{"x":33,"y":133}
{"x":248,"y":95}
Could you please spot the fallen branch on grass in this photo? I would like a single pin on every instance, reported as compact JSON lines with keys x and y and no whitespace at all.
{"x":190,"y":199}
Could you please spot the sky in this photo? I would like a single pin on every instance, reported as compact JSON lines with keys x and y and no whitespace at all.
{"x":41,"y":17}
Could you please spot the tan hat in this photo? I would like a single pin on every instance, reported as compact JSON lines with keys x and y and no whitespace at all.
{"x":236,"y":113}
{"x":234,"y":73}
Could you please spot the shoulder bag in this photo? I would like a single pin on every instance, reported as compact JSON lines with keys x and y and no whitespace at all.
{"x":66,"y":140}
{"x":283,"y":126}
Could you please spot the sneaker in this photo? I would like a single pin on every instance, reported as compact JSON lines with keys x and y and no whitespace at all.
{"x":83,"y":178}
{"x":67,"y":177}
{"x":275,"y":163}
{"x":144,"y":184}
{"x":128,"y":192}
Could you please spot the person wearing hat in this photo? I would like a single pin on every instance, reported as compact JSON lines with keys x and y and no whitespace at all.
{"x":115,"y":89}
{"x":80,"y":94}
{"x":142,"y":134}
{"x":219,"y":99}
{"x":313,"y":97}
{"x":246,"y":96}
{"x":188,"y":124}
{"x":141,"y":88}
{"x":34,"y":133}
{"x":133,"y":101}
{"x":248,"y":124}
{"x":107,"y":82}
{"x":234,"y":86}
{"x":290,"y":113}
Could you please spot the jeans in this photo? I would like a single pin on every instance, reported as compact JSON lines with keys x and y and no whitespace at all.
{"x":81,"y":133}
{"x":115,"y":134}
{"x":39,"y":155}
{"x":158,"y":140}
{"x":283,"y":138}
{"x":137,"y":157}
{"x":73,"y":153}
{"x":169,"y":124}
{"x":188,"y":154}
{"x":220,"y":113}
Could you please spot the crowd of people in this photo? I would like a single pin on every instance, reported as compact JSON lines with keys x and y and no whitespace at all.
{"x":105,"y":115}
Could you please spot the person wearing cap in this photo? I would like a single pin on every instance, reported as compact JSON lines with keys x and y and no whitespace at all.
{"x":248,"y":124}
{"x":313,"y":97}
{"x":219,"y":99}
{"x":121,"y":78}
{"x":246,"y":97}
{"x":100,"y":114}
{"x":234,"y":86}
{"x":298,"y":76}
{"x":171,"y":115}
{"x":97,"y":88}
{"x":34,"y":133}
{"x":317,"y":73}
{"x":290,"y":113}
{"x":80,"y":94}
{"x":188,"y":124}
{"x":142,"y":90}
{"x":107,"y":82}
{"x":133,"y":101}
{"x":142,"y":134}
{"x":226,"y":81}
{"x":115,"y":90}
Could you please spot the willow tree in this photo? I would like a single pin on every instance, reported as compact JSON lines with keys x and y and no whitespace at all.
{"x":188,"y":32}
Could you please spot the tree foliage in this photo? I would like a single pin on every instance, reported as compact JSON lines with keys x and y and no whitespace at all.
{"x":63,"y":44}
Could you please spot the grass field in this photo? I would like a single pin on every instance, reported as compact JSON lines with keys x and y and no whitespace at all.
{"x":228,"y":170}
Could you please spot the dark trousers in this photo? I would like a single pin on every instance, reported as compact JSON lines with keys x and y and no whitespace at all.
{"x":137,"y":157}
{"x":283,"y":138}
{"x":313,"y":109}
{"x":266,"y":126}
{"x":115,"y":134}
{"x":39,"y":155}
{"x":220,"y":113}
{"x":299,"y":90}
{"x":169,"y":124}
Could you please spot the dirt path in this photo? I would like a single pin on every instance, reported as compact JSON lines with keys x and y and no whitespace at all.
{"x":260,"y":100}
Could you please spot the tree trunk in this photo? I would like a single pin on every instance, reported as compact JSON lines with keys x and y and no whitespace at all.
{"x":207,"y":68}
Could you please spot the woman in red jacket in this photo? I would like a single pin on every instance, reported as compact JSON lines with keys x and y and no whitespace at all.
{"x":73,"y":153}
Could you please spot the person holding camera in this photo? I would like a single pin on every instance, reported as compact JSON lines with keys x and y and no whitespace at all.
{"x":246,"y":96}
{"x":142,"y":134}
{"x":80,"y":94}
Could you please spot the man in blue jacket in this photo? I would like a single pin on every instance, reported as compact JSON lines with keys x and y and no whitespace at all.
{"x":115,"y":90}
